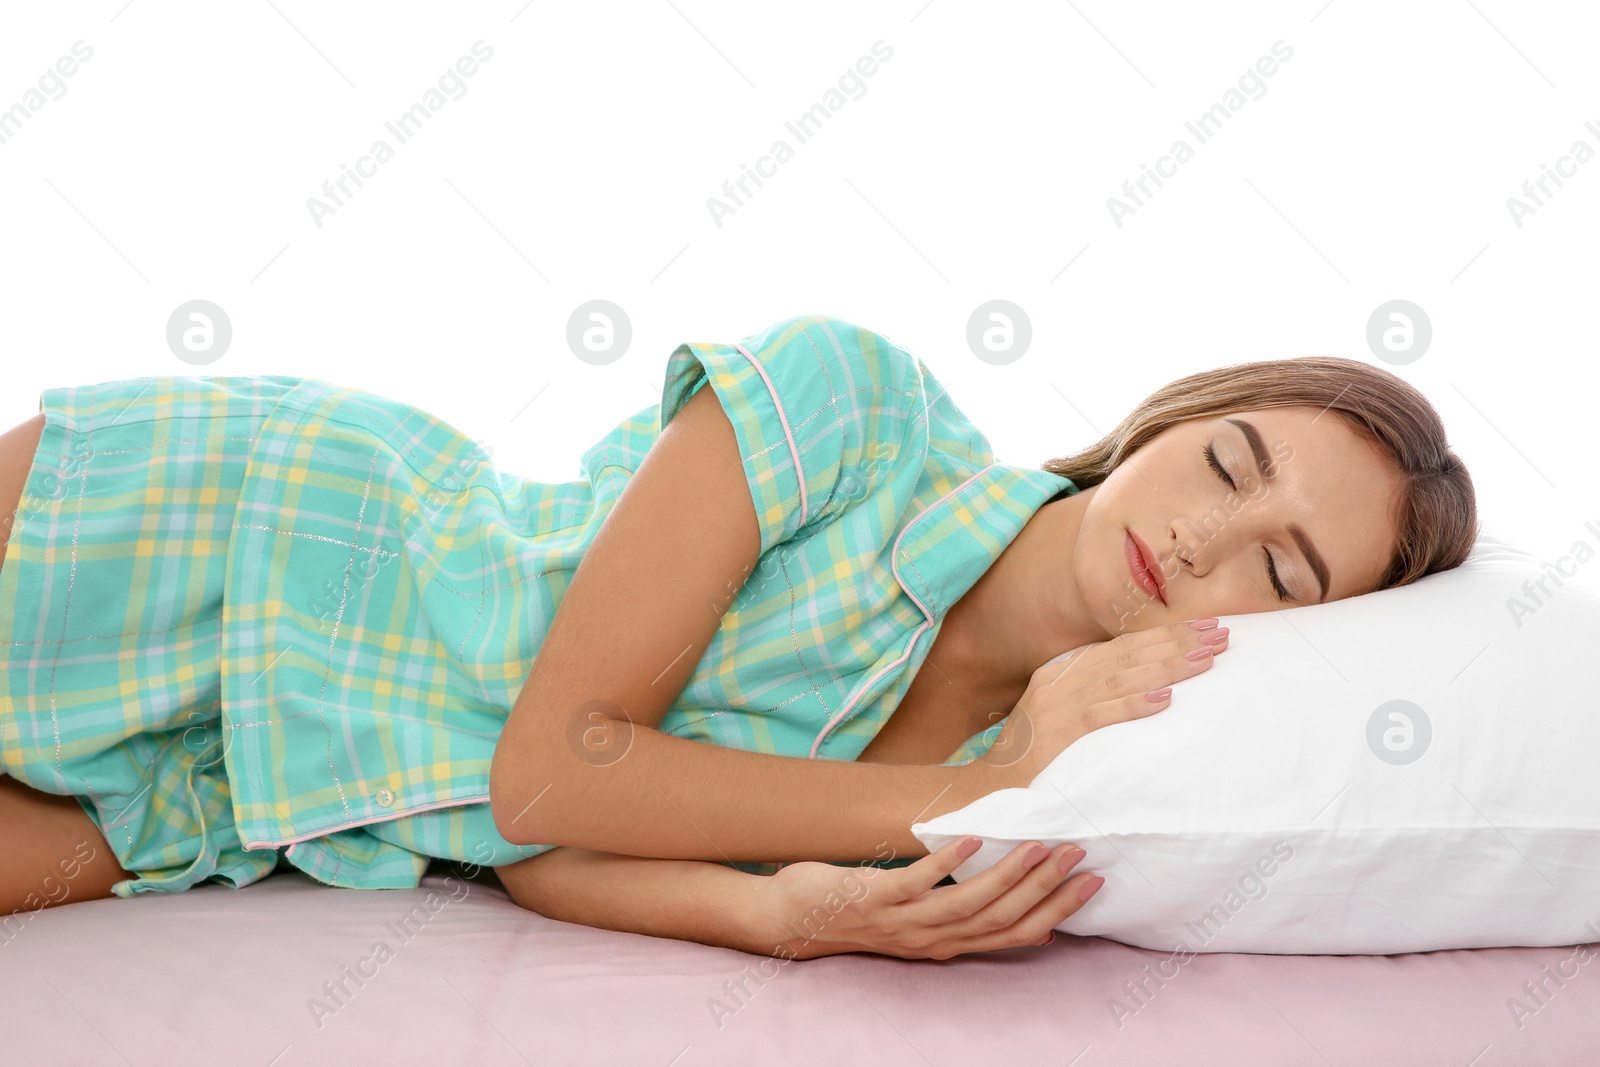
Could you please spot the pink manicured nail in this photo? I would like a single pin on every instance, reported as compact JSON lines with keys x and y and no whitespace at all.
{"x":1204,"y":624}
{"x":1156,"y":696}
{"x":1089,"y":887}
{"x":1198,"y":653}
{"x":1069,"y":859}
{"x":1214,"y":636}
{"x":968,"y":847}
{"x":1034,"y":857}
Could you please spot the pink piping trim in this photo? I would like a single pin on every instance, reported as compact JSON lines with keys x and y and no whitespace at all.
{"x":794,"y":452}
{"x":364,"y":822}
{"x":894,"y":565}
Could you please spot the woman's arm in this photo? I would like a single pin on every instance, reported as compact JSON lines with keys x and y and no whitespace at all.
{"x":670,"y":797}
{"x":811,"y":910}
{"x":580,"y":762}
{"x":690,"y":900}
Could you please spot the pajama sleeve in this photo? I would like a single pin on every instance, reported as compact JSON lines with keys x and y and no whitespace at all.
{"x":822,"y":410}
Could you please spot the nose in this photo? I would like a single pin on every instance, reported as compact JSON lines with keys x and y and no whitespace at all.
{"x":1207,"y":543}
{"x":1195,"y":546}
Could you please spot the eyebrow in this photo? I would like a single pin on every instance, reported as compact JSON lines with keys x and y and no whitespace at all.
{"x":1269,"y":471}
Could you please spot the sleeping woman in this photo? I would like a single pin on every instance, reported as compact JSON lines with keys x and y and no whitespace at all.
{"x":702,"y":691}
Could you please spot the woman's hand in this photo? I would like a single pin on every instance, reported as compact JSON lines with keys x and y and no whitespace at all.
{"x":1078,"y":692}
{"x":820,"y":909}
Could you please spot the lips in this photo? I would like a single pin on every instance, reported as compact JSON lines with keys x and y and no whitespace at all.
{"x":1142,"y":565}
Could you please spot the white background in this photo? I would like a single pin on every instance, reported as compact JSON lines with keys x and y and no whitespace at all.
{"x":977,"y":164}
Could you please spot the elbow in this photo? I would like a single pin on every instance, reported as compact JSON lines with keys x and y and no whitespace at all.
{"x":522,"y":798}
{"x":514,"y":816}
{"x":544,"y":792}
{"x":500,"y":811}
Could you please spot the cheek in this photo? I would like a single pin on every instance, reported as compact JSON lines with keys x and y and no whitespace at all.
{"x":1099,"y":569}
{"x":1088,"y":552}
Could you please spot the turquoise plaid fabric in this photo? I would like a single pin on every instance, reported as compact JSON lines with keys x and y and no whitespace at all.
{"x":111,"y":618}
{"x":384,"y":590}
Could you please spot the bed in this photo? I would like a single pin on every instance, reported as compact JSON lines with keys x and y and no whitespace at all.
{"x":289,"y":972}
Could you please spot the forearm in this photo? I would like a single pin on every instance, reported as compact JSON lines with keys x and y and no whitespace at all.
{"x":656,"y":795}
{"x":689,"y":900}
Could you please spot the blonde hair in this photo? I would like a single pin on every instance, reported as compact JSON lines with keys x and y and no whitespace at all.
{"x":1435,"y":512}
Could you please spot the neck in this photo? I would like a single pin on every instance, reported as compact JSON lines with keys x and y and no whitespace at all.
{"x":1025,"y":609}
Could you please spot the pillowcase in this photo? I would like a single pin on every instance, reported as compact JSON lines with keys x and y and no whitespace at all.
{"x":1408,"y":770}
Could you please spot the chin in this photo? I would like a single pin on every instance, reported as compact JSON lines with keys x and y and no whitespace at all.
{"x":1124,"y":611}
{"x":1149,"y":617}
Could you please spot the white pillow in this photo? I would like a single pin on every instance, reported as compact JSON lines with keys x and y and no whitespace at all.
{"x":1413,"y":769}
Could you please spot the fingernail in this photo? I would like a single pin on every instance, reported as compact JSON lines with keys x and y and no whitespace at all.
{"x":1034,"y":857}
{"x":1069,"y":858}
{"x":1048,"y":940}
{"x":1198,"y":653}
{"x":1089,"y":887}
{"x":1204,"y":624}
{"x":1214,"y":636}
{"x":968,"y":847}
{"x":1156,"y":696}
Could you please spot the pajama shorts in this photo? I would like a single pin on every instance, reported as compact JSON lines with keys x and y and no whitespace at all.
{"x":111,"y":614}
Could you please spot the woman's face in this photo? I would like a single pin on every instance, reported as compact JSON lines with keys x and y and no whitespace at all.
{"x":1307,"y":494}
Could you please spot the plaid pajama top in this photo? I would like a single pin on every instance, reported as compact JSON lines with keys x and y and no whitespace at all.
{"x":387,"y":589}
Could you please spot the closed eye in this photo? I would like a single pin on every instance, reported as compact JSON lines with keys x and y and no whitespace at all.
{"x":1272,"y":570}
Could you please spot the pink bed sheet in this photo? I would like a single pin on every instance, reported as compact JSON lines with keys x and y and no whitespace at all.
{"x":254,"y":976}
